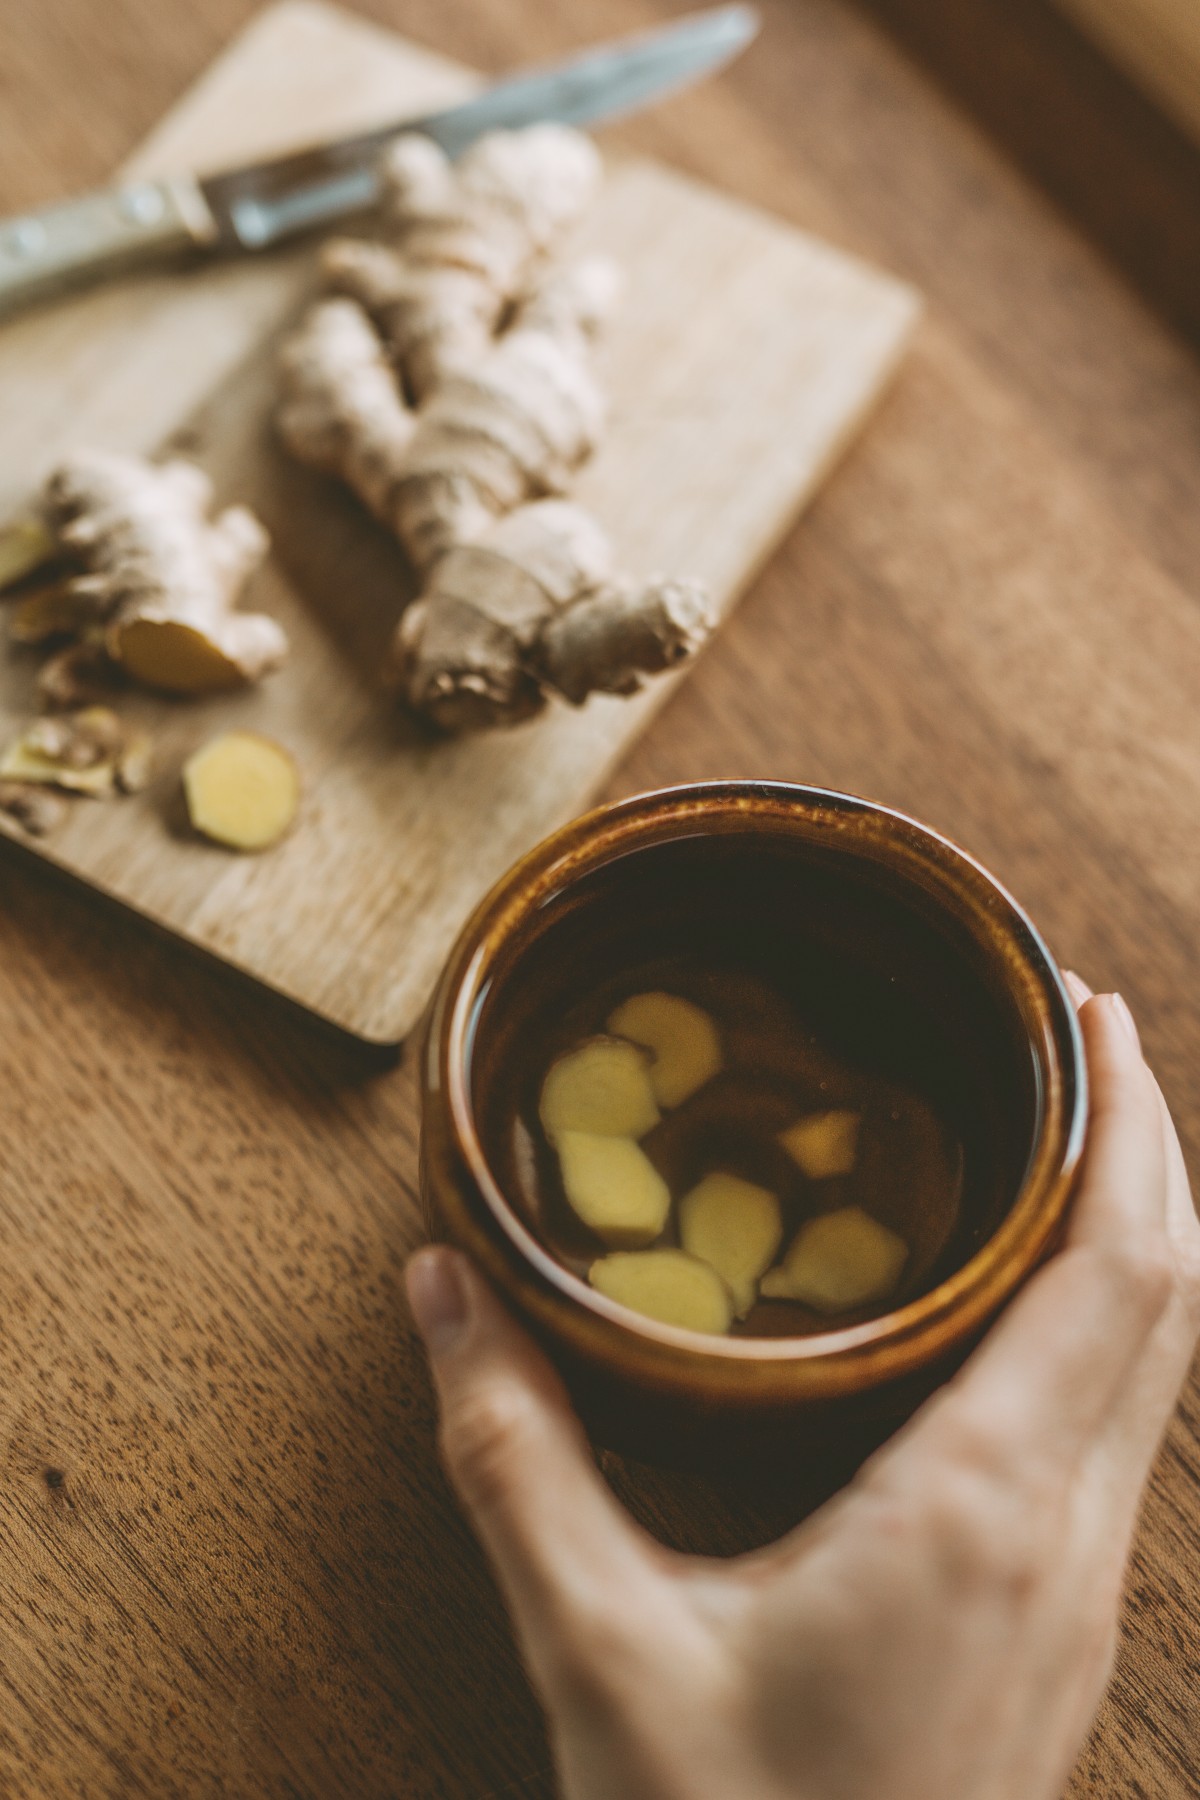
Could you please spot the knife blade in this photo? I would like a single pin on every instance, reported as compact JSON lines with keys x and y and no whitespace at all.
{"x":249,"y":208}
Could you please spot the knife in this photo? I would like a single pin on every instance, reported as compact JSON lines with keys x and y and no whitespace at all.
{"x":146,"y":222}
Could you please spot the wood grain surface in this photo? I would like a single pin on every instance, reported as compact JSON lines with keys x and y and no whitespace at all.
{"x":1066,"y":114}
{"x":1159,"y":40}
{"x":228,"y":1563}
{"x":739,"y":344}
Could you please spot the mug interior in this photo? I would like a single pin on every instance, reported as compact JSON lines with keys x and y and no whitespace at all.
{"x":900,"y":953}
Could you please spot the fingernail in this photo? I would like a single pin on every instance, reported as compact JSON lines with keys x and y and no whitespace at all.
{"x":1125,"y":1018}
{"x":438,"y":1296}
{"x":1077,"y":987}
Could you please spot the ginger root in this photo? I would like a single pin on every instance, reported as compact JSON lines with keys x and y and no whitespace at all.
{"x":530,"y":610}
{"x":242,"y":790}
{"x":509,"y":427}
{"x":449,"y":383}
{"x":667,"y":1285}
{"x":465,"y":239}
{"x":154,"y":573}
{"x":342,"y":411}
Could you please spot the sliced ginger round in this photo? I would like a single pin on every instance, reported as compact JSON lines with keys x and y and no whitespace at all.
{"x":667,"y":1285}
{"x":602,"y":1088}
{"x":839,"y":1261}
{"x":736,"y":1227}
{"x":681,"y":1037}
{"x":614,"y":1187}
{"x":242,"y":790}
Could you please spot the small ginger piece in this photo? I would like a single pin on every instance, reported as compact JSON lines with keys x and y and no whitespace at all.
{"x":838,"y":1262}
{"x":667,"y":1285}
{"x":54,"y":611}
{"x":681,"y":1036}
{"x":25,"y":544}
{"x":33,"y":807}
{"x":79,"y":740}
{"x":601,"y":1088}
{"x":78,"y":752}
{"x":823,"y":1144}
{"x":22,"y":764}
{"x":613,"y":1187}
{"x":160,"y":575}
{"x":242,"y":790}
{"x":734,"y":1225}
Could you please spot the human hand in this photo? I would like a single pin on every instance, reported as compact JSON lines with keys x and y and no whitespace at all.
{"x":943,"y":1629}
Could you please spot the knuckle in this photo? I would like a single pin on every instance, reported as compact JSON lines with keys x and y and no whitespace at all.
{"x":984,"y":1519}
{"x":975,"y":1449}
{"x":982,"y":1542}
{"x":591,"y":1663}
{"x":485,"y":1439}
{"x":972,"y":1445}
{"x":1145,"y":1277}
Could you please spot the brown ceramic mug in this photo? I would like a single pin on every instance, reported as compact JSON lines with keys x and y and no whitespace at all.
{"x":763,"y":866}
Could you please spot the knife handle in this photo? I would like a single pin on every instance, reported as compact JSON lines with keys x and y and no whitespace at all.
{"x":99,"y":234}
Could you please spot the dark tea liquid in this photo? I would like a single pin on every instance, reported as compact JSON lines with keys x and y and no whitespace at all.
{"x":828,"y":992}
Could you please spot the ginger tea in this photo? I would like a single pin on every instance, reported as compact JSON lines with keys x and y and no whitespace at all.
{"x":755,"y":1103}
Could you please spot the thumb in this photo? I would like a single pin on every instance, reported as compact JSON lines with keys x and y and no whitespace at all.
{"x":565,"y":1553}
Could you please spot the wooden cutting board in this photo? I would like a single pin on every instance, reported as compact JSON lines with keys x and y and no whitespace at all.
{"x":743,"y":358}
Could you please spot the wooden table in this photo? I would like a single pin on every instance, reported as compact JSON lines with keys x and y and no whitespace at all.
{"x":228,"y":1562}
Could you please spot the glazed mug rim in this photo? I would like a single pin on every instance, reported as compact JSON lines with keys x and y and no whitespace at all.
{"x":969,"y":1296}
